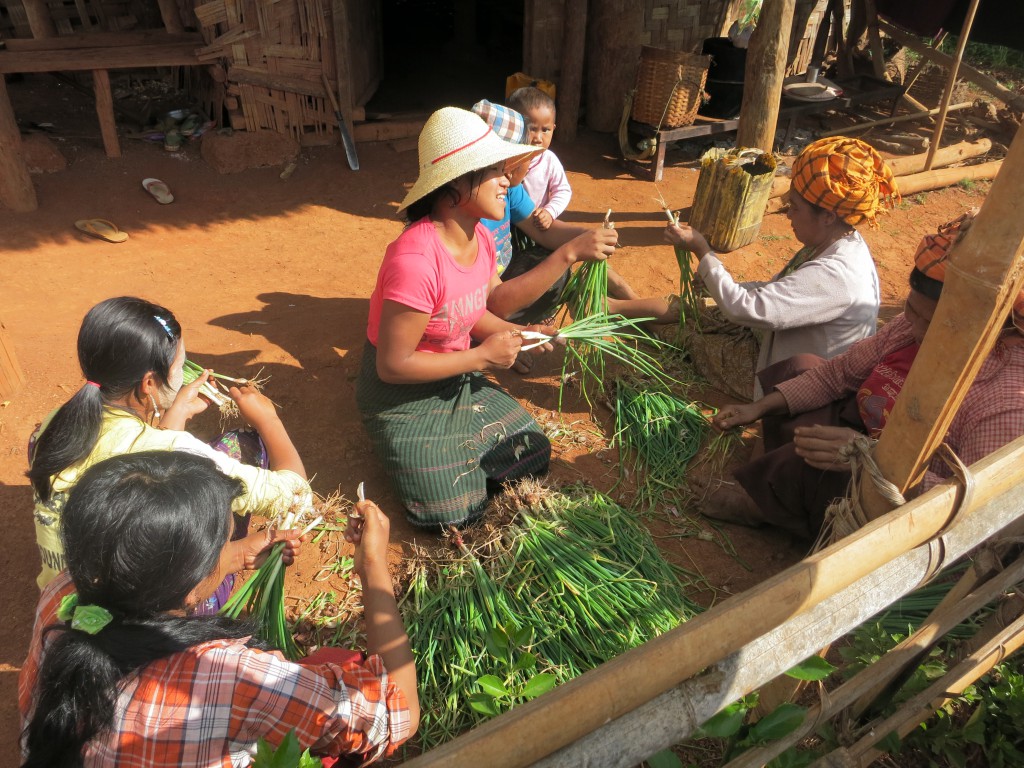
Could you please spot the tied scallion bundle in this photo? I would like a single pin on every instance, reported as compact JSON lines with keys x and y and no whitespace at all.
{"x":663,"y":433}
{"x":548,"y":585}
{"x":262,"y":595}
{"x":586,"y":292}
{"x":590,"y":341}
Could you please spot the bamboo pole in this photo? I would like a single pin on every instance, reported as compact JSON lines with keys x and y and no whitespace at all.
{"x":105,"y":112}
{"x":767,"y":56}
{"x":980,"y":79}
{"x":570,"y":85}
{"x":528,"y":733}
{"x":947,"y":93}
{"x":983,"y":278}
{"x":895,"y":660}
{"x":918,"y":708}
{"x":898,"y":119}
{"x":947,"y":177}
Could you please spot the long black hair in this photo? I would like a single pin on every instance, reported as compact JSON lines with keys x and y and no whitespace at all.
{"x":140,"y":532}
{"x":425,"y":205}
{"x":120,"y":341}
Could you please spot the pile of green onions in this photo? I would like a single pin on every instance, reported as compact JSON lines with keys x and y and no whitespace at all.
{"x":662,"y":432}
{"x":572,"y":570}
{"x":262,"y":595}
{"x":586,"y":292}
{"x":590,"y":340}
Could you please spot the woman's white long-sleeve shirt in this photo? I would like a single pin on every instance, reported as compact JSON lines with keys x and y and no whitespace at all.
{"x":824,"y":306}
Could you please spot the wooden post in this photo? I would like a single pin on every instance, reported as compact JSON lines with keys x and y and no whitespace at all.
{"x":767,"y":56}
{"x":16,"y":190}
{"x":570,"y":84}
{"x":982,"y":279}
{"x":105,"y":111}
{"x":947,"y":94}
{"x":614,"y":35}
{"x":170,"y":16}
{"x":39,"y":19}
{"x":875,"y":40}
{"x":12,"y":378}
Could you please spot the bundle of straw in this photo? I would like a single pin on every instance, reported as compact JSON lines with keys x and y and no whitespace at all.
{"x":571,"y":577}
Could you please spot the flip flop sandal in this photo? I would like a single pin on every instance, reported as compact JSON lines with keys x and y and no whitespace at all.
{"x":159,"y":190}
{"x":103,"y":229}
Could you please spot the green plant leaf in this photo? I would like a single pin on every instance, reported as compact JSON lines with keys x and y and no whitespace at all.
{"x":523,"y":638}
{"x":814,"y":668}
{"x":726,"y":723}
{"x":264,"y":754}
{"x":891,"y":743}
{"x":664,"y":759}
{"x":497,"y":643}
{"x":539,"y":684}
{"x":307,"y":760}
{"x":780,"y":722}
{"x":526,"y":661}
{"x":484,"y":704}
{"x":493,"y":686}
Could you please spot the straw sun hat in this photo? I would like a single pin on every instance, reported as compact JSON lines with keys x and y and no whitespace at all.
{"x":454,"y":142}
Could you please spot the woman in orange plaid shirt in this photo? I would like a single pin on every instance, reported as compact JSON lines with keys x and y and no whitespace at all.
{"x":118,"y":673}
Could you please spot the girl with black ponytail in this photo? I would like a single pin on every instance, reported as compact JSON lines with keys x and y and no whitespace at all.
{"x":119,"y":673}
{"x":132,"y":352}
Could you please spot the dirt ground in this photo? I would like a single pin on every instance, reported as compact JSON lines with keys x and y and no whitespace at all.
{"x":272,"y":273}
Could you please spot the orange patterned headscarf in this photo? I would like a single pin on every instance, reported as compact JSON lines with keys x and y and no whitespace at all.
{"x":845,"y":176}
{"x":933,"y":255}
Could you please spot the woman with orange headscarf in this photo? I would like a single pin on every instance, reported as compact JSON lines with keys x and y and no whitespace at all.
{"x":827,"y":296}
{"x":814,"y":407}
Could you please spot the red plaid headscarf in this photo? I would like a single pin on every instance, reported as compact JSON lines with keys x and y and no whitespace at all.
{"x":845,"y":176}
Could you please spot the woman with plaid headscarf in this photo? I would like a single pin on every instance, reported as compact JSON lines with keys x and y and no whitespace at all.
{"x":814,"y":407}
{"x":827,"y":296}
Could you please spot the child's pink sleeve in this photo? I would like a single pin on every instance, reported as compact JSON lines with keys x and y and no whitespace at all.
{"x":559,"y":191}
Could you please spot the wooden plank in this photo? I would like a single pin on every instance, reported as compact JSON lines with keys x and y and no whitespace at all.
{"x":570,"y":85}
{"x":387,"y":130}
{"x":983,"y":278}
{"x":980,"y":79}
{"x":767,"y":56}
{"x":891,"y":120}
{"x":105,"y":112}
{"x":16,"y":190}
{"x":947,"y":93}
{"x":538,"y":728}
{"x":170,"y":55}
{"x":12,"y":377}
{"x":104,"y":40}
{"x":171,"y":16}
{"x":256,"y":76}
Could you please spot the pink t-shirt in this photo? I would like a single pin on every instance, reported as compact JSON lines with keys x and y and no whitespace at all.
{"x":419,"y":272}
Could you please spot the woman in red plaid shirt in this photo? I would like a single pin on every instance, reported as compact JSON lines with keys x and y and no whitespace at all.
{"x":119,"y":675}
{"x":814,"y":408}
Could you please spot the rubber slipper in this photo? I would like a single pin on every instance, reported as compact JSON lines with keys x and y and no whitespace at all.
{"x":158,"y":190}
{"x":103,"y":229}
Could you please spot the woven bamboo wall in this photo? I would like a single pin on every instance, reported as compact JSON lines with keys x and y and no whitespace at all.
{"x":263,"y":40}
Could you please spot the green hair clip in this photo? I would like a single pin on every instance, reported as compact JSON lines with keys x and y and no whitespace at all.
{"x":85,"y":618}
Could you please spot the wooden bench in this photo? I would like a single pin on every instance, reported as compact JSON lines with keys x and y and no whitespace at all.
{"x":96,"y":52}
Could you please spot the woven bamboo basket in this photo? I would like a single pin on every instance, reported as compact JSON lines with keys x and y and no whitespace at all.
{"x":669,"y":87}
{"x":732,"y":191}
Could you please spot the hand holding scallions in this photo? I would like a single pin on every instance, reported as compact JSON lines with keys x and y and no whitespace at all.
{"x":187,"y":403}
{"x":594,"y":244}
{"x":255,"y":407}
{"x":685,"y":236}
{"x":256,"y":546}
{"x":498,"y":351}
{"x":368,"y":529}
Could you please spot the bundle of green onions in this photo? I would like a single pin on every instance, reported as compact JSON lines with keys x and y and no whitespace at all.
{"x":571,"y":575}
{"x":586,"y":292}
{"x":662,"y":432}
{"x":262,"y":595}
{"x":689,"y":300}
{"x":590,"y":340}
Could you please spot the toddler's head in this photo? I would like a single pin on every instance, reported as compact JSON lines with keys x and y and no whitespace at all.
{"x":539,"y":110}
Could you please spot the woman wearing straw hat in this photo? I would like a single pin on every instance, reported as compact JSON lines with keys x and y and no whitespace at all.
{"x":447,"y":435}
{"x":814,"y":407}
{"x":827,"y":296}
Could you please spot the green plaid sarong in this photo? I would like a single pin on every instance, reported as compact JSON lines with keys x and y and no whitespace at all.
{"x":446,"y":444}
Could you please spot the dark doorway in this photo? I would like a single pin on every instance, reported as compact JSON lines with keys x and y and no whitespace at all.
{"x":447,"y":52}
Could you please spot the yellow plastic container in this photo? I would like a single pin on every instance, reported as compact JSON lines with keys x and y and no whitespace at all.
{"x":732,"y":192}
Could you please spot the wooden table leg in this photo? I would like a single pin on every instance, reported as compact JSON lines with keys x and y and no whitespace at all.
{"x":105,"y":111}
{"x":658,"y":167}
{"x":16,"y":190}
